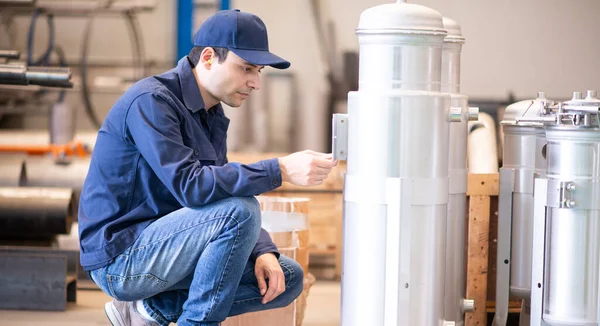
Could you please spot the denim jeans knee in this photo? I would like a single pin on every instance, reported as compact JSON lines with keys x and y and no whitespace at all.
{"x":295,"y":284}
{"x":246,"y":210}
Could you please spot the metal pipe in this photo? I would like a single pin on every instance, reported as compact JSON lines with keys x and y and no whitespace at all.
{"x":20,"y":74}
{"x":46,"y":172}
{"x":482,"y":146}
{"x":35,"y":212}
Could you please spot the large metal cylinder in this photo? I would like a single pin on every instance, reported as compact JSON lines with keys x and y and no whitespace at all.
{"x":47,"y":172}
{"x":519,"y":155}
{"x":573,"y":226}
{"x":515,"y":218}
{"x":566,"y":244}
{"x":35,"y":212}
{"x":455,"y":282}
{"x":396,"y":186}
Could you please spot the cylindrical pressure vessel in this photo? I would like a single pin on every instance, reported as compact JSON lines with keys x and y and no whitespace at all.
{"x":455,"y":282}
{"x":571,"y":267}
{"x":519,"y":154}
{"x":515,"y":211}
{"x":396,"y":186}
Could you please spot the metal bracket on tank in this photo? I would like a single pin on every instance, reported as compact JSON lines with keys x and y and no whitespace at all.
{"x":340,"y":136}
{"x":505,"y":207}
{"x":540,"y":191}
{"x":565,"y":193}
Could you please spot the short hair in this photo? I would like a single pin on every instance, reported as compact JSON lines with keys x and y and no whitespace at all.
{"x":196,"y":51}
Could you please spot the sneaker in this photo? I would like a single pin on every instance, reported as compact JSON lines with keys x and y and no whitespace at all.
{"x":121,"y":313}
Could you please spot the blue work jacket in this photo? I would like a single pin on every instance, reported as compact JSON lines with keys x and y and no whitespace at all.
{"x":159,"y":150}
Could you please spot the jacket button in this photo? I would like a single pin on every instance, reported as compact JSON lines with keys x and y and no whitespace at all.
{"x":275,"y":183}
{"x":196,"y":152}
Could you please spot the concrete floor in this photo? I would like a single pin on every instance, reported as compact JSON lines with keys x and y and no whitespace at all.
{"x":323,"y":309}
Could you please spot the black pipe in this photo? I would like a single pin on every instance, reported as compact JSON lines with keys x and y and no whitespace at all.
{"x":35,"y":212}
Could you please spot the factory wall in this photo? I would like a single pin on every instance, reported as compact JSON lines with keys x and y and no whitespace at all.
{"x":512,"y":46}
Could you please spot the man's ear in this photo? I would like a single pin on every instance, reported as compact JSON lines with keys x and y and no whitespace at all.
{"x":207,"y":57}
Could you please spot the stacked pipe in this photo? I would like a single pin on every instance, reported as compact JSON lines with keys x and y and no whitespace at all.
{"x":47,"y":172}
{"x":13,"y":72}
{"x":35,"y":212}
{"x":18,"y":73}
{"x":522,"y":142}
{"x":32,"y":206}
{"x":456,"y":303}
{"x":396,"y":137}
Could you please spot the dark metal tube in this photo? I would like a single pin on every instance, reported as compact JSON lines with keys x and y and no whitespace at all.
{"x":35,"y":212}
{"x":20,"y":74}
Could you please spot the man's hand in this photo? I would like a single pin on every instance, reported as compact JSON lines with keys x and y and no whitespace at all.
{"x":267,"y":267}
{"x":306,"y":168}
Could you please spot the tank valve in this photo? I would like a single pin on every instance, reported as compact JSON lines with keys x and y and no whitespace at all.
{"x":468,"y":305}
{"x":473,"y":114}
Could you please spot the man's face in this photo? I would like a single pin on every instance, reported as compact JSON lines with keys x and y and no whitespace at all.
{"x":232,"y":80}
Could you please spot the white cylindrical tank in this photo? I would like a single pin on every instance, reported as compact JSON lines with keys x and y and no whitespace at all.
{"x":455,"y":283}
{"x":396,"y":186}
{"x":571,"y":278}
{"x":515,"y":211}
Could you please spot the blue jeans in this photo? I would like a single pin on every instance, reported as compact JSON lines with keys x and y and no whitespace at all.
{"x":192,"y":266}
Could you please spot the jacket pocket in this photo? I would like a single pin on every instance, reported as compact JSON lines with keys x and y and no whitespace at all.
{"x":204,"y":153}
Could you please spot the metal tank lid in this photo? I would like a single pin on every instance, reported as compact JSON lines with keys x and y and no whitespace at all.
{"x":527,"y":108}
{"x":454,"y":31}
{"x":401,"y":18}
{"x":578,"y":98}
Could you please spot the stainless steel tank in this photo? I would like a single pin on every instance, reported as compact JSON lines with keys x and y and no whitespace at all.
{"x":396,"y":186}
{"x":455,"y":304}
{"x":515,"y":211}
{"x":567,"y":206}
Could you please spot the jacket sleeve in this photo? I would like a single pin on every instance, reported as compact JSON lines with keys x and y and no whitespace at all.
{"x":154,"y":128}
{"x":264,"y":245}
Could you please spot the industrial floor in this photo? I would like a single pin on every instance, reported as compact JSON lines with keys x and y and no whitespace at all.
{"x":323,"y":309}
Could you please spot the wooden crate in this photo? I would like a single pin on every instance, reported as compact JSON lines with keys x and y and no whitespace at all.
{"x":480,"y":189}
{"x":325,"y":207}
{"x":482,"y":192}
{"x":291,"y":315}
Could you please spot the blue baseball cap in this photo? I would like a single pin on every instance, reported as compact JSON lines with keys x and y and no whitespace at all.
{"x":242,"y":33}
